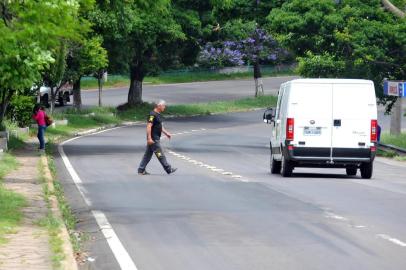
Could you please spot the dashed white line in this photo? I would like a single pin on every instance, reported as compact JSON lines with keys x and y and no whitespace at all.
{"x":337,"y":217}
{"x":392,"y":240}
{"x":212,"y":168}
{"x":359,"y":226}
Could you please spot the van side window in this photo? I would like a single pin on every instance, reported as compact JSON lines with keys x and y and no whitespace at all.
{"x":278,"y":108}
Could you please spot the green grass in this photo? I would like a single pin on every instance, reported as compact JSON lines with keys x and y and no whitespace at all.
{"x":140,"y":112}
{"x":96,"y":117}
{"x":10,"y":202}
{"x":7,"y":164}
{"x":68,"y":218}
{"x":51,"y":223}
{"x":180,"y":77}
{"x":399,"y":141}
{"x":53,"y":226}
{"x":17,"y":141}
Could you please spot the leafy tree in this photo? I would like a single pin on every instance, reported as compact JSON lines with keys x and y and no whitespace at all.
{"x":57,"y":75}
{"x":53,"y":76}
{"x":243,"y":20}
{"x":257,"y":48}
{"x":29,"y":30}
{"x":86,"y":57}
{"x":354,"y":39}
{"x":140,"y":34}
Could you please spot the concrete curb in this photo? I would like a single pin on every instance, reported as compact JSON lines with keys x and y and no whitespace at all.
{"x":69,"y":262}
{"x":95,"y":130}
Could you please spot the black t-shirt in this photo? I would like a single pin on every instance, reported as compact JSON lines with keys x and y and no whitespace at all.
{"x":156,"y":120}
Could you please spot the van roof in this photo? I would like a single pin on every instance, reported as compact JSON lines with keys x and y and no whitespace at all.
{"x":332,"y":81}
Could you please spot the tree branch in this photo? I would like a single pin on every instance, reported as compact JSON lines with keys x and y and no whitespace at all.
{"x":393,"y":9}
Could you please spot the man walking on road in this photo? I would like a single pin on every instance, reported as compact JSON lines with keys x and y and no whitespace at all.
{"x":154,"y":131}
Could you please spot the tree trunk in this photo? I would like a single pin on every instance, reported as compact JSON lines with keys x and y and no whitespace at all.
{"x":100,"y":84}
{"x":135,"y":91}
{"x":53,"y":99}
{"x":393,"y":9}
{"x":5,"y":100}
{"x":259,"y":87}
{"x":77,"y":95}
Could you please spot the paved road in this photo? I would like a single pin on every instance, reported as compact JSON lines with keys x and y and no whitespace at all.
{"x":239,"y":218}
{"x":184,"y":93}
{"x":188,"y":92}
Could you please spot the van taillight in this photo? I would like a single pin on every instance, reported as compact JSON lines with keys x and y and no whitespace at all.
{"x":374,"y":130}
{"x":290,"y":129}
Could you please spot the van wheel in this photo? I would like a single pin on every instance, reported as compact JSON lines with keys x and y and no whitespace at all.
{"x":367,"y":170}
{"x":286,"y":167}
{"x":62,"y":101}
{"x":275,"y":165}
{"x":45,"y":101}
{"x":351,"y":171}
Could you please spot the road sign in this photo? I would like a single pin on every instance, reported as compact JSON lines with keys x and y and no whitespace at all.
{"x":394,"y":88}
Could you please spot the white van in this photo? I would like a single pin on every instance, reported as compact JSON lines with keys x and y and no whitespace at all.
{"x":324,"y":123}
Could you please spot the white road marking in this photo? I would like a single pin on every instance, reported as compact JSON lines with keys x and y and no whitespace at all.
{"x":392,"y":240}
{"x":123,"y":258}
{"x":334,"y":216}
{"x":119,"y":252}
{"x":212,"y":168}
{"x":75,"y":177}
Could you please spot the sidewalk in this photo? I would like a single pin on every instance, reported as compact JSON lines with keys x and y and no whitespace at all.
{"x":29,"y":247}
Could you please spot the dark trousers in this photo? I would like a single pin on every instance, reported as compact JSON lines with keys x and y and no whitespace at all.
{"x":157,"y":150}
{"x":41,"y":136}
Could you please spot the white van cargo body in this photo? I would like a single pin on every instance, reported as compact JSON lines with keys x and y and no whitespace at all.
{"x":324,"y":123}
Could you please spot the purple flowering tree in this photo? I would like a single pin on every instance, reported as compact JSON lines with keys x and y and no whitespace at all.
{"x":258,"y":48}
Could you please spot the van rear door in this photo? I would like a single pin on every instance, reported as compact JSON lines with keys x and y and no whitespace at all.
{"x":311,"y":108}
{"x":354,"y":107}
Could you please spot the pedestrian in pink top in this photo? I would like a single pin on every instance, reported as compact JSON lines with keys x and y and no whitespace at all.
{"x":39,"y":116}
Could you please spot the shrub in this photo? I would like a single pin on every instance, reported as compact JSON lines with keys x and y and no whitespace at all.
{"x":20,"y":110}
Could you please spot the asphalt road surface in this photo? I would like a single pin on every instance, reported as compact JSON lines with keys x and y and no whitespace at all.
{"x":185,"y":93}
{"x":188,"y":92}
{"x":223,"y":210}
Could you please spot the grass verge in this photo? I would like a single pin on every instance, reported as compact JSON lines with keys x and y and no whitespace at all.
{"x":399,"y":140}
{"x":179,"y":77}
{"x":76,"y":238}
{"x":50,"y":222}
{"x":10,"y":202}
{"x":96,"y":117}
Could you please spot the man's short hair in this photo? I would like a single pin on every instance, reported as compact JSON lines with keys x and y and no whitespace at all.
{"x":161,"y":102}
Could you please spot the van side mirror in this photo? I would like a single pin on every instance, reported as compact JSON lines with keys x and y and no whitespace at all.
{"x":269,"y":115}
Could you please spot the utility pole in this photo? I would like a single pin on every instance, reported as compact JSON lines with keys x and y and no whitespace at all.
{"x":395,"y":89}
{"x":396,"y":118}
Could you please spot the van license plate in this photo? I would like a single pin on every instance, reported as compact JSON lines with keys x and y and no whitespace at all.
{"x":312,"y":131}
